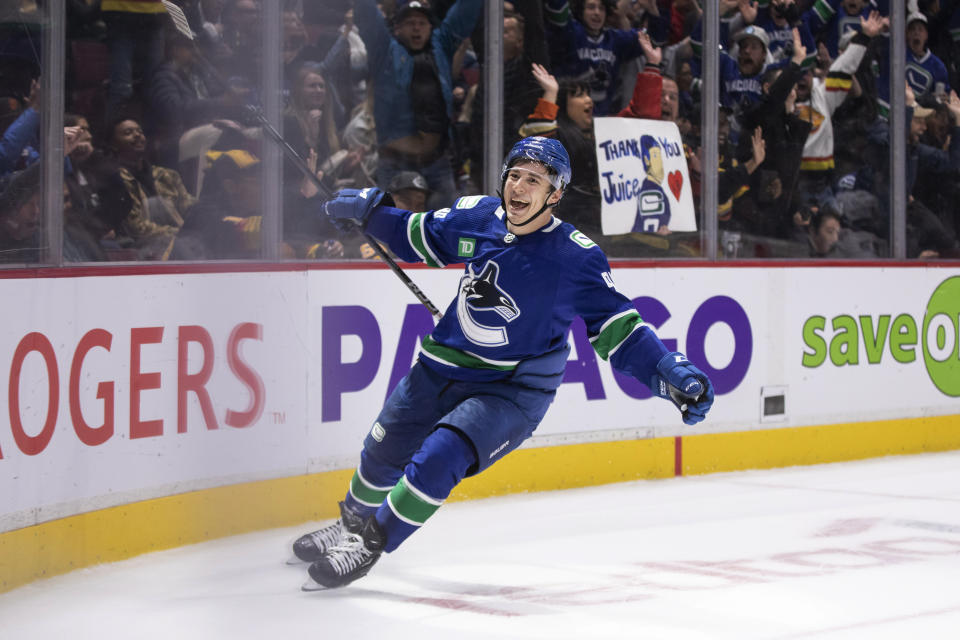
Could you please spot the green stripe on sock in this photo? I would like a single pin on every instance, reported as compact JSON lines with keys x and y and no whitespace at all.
{"x":365,"y":493}
{"x":408,"y":505}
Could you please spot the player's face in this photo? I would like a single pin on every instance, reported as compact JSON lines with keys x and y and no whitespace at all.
{"x":917,"y":37}
{"x":655,"y":165}
{"x":525,"y":191}
{"x":751,"y":56}
{"x":413,"y":32}
{"x":594,"y":15}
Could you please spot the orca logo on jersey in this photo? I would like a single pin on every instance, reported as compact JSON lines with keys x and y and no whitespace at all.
{"x":481,"y":292}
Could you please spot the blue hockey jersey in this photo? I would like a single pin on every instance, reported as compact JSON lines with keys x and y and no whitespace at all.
{"x":594,"y":60}
{"x":653,"y":208}
{"x":927,"y":75}
{"x":828,"y":21}
{"x":518,"y":294}
{"x":781,"y":39}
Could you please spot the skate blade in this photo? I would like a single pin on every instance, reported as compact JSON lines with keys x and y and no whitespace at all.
{"x":294,"y":560}
{"x":311,"y":585}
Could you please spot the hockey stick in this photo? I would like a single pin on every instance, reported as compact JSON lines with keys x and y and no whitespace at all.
{"x":183,"y":26}
{"x":302,"y":166}
{"x":680,"y":399}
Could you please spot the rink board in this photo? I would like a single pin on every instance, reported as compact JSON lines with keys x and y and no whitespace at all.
{"x":151,"y":410}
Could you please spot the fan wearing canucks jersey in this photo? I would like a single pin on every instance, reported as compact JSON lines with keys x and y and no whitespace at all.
{"x":488,"y":372}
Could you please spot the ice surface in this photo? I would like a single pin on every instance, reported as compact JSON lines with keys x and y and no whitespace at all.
{"x":855,"y":550}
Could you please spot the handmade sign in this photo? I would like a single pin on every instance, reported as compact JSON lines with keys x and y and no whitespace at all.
{"x":644,"y":182}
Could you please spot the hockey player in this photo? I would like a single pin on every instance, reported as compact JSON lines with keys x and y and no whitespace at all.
{"x":490,"y":369}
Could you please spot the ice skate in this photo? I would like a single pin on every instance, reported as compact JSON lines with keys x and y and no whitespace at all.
{"x":349,"y":560}
{"x":310,"y":547}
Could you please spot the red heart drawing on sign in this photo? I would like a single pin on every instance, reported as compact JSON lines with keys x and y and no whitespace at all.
{"x":675,"y":180}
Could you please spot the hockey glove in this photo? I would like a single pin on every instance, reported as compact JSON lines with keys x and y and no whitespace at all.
{"x":350,"y":208}
{"x":684,"y":385}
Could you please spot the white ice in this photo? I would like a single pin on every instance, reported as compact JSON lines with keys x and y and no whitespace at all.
{"x":854,"y":550}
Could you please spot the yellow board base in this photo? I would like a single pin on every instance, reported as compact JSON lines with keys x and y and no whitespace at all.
{"x":108,"y":535}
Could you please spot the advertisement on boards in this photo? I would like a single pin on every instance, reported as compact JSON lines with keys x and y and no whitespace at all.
{"x":122,"y":389}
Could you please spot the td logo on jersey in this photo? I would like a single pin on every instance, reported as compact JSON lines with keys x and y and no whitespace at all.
{"x":483,"y":293}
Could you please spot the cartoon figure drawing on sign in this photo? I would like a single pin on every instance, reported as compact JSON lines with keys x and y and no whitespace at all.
{"x":653,"y":208}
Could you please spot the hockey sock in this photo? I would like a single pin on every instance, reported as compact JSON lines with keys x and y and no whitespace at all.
{"x":439,"y":465}
{"x":364,"y":497}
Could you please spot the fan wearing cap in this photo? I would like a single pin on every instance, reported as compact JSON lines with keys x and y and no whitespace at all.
{"x":753,"y":44}
{"x":740,"y":84}
{"x":766,"y":209}
{"x":225,"y":222}
{"x":926,"y":73}
{"x":413,"y":87}
{"x":487,"y":373}
{"x":409,"y":190}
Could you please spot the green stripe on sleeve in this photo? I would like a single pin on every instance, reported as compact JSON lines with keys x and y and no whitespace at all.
{"x":614,"y":332}
{"x":559,"y":16}
{"x":416,"y":237}
{"x":410,"y":505}
{"x":366,"y":493}
{"x":824,"y":10}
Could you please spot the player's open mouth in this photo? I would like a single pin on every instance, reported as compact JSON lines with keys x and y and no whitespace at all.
{"x":518,"y":206}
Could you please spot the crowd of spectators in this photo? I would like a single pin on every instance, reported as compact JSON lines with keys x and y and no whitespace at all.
{"x":162,"y":142}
